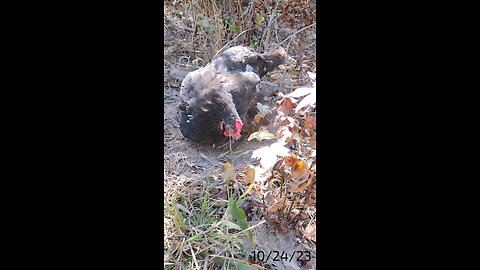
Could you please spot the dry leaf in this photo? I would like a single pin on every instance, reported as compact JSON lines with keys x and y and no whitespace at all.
{"x":275,"y":206}
{"x":300,"y":92}
{"x":285,"y":134}
{"x":307,"y":101}
{"x":310,"y":122}
{"x":249,"y":174}
{"x":261,"y":135}
{"x":290,"y":160}
{"x":261,"y":175}
{"x":249,"y":189}
{"x":301,"y":184}
{"x":313,"y":140}
{"x":299,"y":169}
{"x":286,"y":104}
{"x":268,"y":155}
{"x":263,"y":110}
{"x":294,"y":128}
{"x":311,"y":232}
{"x":272,"y":220}
{"x":228,"y":172}
{"x":295,"y":46}
{"x":257,"y":119}
{"x":310,"y":152}
{"x":310,"y":200}
{"x":302,"y":216}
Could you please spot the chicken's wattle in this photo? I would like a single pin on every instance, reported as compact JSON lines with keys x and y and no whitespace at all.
{"x":235,"y":133}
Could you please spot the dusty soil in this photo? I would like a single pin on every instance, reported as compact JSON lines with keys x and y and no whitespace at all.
{"x":187,"y":164}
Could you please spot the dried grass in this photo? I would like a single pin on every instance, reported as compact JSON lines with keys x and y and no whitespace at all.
{"x":197,"y":233}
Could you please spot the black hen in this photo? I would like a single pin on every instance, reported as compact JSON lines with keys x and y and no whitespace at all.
{"x":217,"y":100}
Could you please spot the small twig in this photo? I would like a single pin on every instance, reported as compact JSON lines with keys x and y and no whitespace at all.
{"x":180,"y":248}
{"x":263,"y":200}
{"x":205,"y":157}
{"x":194,"y":258}
{"x":269,"y":27}
{"x":282,"y":213}
{"x":294,"y":219}
{"x":205,"y":264}
{"x":231,"y":42}
{"x":288,"y":49}
{"x":249,"y":228}
{"x":293,"y":205}
{"x":315,"y":42}
{"x":306,"y":27}
{"x":168,"y":62}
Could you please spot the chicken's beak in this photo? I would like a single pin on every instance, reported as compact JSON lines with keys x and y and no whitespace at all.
{"x":224,"y":126}
{"x":229,"y":127}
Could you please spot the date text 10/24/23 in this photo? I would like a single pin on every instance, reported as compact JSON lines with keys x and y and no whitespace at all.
{"x":260,"y":256}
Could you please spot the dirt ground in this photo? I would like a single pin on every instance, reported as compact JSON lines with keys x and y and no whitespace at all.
{"x":187,"y":164}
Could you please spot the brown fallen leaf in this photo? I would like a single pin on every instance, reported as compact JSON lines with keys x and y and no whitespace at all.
{"x":228,"y":172}
{"x":290,"y":160}
{"x":272,"y":220}
{"x":275,"y":206}
{"x":258,"y":118}
{"x":286,"y":104}
{"x":294,"y":128}
{"x":285,"y":134}
{"x":263,"y":110}
{"x":310,"y":122}
{"x":310,"y":100}
{"x":300,"y":92}
{"x":249,"y":174}
{"x":312,"y":195}
{"x":299,"y":169}
{"x":301,"y":184}
{"x":311,"y":232}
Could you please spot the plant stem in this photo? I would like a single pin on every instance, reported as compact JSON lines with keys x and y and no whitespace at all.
{"x":293,"y":204}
